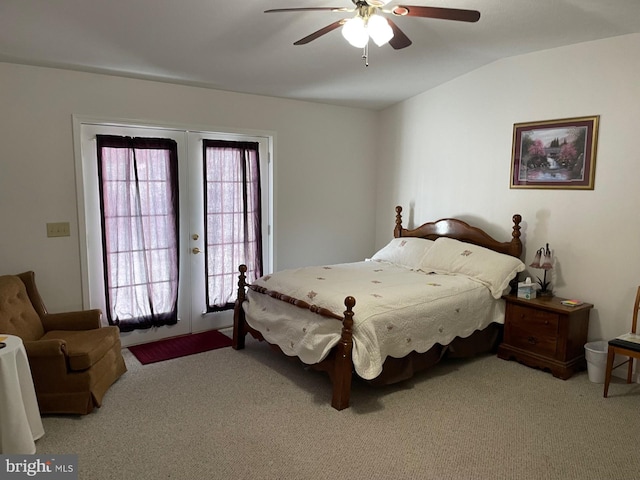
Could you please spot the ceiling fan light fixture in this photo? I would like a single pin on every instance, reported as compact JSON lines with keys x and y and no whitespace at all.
{"x":355,"y":32}
{"x":379,"y":29}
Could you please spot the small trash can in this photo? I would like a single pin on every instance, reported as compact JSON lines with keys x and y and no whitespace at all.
{"x":596,"y":356}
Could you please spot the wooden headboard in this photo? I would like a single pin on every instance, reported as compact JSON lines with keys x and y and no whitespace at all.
{"x":454,"y":228}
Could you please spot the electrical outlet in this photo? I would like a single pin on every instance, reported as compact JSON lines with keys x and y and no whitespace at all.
{"x":60,"y":229}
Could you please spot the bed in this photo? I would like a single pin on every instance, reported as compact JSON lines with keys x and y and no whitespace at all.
{"x":433,"y":292}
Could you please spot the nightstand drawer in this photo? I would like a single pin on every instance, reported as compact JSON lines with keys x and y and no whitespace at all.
{"x":533,"y":330}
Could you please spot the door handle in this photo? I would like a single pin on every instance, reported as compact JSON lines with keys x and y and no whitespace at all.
{"x":196,"y":250}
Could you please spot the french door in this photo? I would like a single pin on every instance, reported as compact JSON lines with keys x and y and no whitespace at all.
{"x":194,"y":315}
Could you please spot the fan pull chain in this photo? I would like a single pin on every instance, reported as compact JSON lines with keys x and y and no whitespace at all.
{"x":365,"y":54}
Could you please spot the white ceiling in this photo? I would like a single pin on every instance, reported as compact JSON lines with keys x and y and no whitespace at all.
{"x":232,"y":45}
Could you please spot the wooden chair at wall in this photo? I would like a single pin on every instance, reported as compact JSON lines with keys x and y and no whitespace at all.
{"x":619,"y":346}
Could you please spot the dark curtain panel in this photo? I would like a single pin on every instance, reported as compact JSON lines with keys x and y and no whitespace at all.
{"x":138,"y":180}
{"x":232,"y":218}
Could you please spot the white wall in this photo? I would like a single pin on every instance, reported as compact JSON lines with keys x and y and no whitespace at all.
{"x":323,"y":176}
{"x":447,"y":153}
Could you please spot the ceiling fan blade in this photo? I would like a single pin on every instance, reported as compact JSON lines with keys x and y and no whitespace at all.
{"x":436,"y":12}
{"x":399,"y":40}
{"x":319,"y":33}
{"x":307,"y":9}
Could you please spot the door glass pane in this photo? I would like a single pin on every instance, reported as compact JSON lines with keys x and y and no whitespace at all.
{"x":138,"y":179}
{"x":232,"y":218}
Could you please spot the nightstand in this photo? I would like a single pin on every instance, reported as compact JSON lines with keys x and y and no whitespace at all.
{"x":543,"y":333}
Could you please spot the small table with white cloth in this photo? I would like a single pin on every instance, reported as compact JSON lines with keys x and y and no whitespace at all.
{"x":20,"y":421}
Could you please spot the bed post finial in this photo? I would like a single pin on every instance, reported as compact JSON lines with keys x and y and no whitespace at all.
{"x":349,"y":302}
{"x":516,"y":226}
{"x":515,"y":240}
{"x":397,"y":232}
{"x":242,"y":282}
{"x":239,"y":331}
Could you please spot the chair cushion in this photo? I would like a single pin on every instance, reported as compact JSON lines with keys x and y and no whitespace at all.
{"x":17,"y":315}
{"x":86,"y":347}
{"x":616,"y":342}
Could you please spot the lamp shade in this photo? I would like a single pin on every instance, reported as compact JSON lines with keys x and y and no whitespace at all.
{"x":355,"y":32}
{"x":379,"y":29}
{"x":547,"y":264}
{"x":536,"y":261}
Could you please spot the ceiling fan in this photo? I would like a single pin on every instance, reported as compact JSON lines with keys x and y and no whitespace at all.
{"x":368,"y":23}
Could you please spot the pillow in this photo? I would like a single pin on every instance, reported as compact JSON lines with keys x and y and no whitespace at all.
{"x":405,"y":251}
{"x":493,"y":269}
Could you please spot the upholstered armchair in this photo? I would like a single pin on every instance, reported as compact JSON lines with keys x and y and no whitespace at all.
{"x":73,"y":358}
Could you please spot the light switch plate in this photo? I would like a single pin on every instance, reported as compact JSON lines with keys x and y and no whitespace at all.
{"x":60,"y":229}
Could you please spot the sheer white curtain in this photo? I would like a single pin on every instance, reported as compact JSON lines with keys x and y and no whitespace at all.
{"x":138,"y":180}
{"x":232,"y":218}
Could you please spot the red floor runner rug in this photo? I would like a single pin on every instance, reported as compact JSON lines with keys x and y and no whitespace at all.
{"x":180,"y":346}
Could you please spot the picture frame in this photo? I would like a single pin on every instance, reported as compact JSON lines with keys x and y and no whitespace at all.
{"x":559,"y":154}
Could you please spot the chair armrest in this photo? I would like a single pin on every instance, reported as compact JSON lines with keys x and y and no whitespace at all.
{"x":80,"y":320}
{"x":48,"y":363}
{"x":45,"y":348}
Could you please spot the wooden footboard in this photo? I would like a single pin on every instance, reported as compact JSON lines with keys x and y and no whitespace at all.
{"x":339,"y":363}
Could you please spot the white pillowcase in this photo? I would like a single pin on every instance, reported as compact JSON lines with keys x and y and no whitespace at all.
{"x":405,"y":251}
{"x":493,"y":269}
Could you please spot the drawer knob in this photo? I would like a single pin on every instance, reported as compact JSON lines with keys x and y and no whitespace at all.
{"x":532,"y":340}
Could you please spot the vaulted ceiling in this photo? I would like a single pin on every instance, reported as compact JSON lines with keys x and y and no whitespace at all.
{"x":232,"y":45}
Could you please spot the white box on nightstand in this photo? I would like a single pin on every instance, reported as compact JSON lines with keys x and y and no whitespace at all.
{"x":526,"y":290}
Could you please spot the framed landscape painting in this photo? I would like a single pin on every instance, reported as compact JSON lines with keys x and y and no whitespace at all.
{"x":555,"y":153}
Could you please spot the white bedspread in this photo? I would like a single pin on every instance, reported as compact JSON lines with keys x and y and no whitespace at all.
{"x":398,"y":310}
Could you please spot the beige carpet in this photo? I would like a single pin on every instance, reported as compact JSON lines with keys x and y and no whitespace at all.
{"x":253,"y":414}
